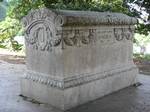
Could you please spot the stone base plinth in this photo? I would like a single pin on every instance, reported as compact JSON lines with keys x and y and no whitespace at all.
{"x":70,"y":97}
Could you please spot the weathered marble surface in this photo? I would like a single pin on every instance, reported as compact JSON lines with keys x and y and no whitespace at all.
{"x":77,"y":56}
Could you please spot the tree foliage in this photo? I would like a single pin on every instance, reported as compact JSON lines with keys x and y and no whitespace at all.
{"x":19,"y":8}
{"x":141,"y":10}
{"x":8,"y":30}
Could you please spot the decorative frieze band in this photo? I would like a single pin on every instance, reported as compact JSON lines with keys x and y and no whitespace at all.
{"x":46,"y":29}
{"x":45,"y":38}
{"x":63,"y":83}
{"x":44,"y":79}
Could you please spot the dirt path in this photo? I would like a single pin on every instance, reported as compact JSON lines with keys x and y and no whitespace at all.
{"x":13,"y":59}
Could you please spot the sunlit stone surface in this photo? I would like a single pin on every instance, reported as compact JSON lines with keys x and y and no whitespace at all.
{"x":77,"y":56}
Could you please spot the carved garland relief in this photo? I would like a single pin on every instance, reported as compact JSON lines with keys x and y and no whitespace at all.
{"x":41,"y":35}
{"x":44,"y":35}
{"x":77,"y":37}
{"x":121,"y":33}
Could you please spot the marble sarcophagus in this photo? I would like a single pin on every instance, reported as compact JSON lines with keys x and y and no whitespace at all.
{"x":77,"y":56}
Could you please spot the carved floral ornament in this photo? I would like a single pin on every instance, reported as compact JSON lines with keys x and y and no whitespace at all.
{"x":41,"y":35}
{"x":43,"y":31}
{"x":40,"y":29}
{"x":44,"y":37}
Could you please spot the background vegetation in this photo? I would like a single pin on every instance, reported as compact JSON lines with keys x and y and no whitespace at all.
{"x":11,"y":26}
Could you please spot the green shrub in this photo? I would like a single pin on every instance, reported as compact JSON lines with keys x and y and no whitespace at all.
{"x":19,"y":8}
{"x":8,"y":30}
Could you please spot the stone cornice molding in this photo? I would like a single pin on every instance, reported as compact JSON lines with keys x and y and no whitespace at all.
{"x":69,"y":17}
